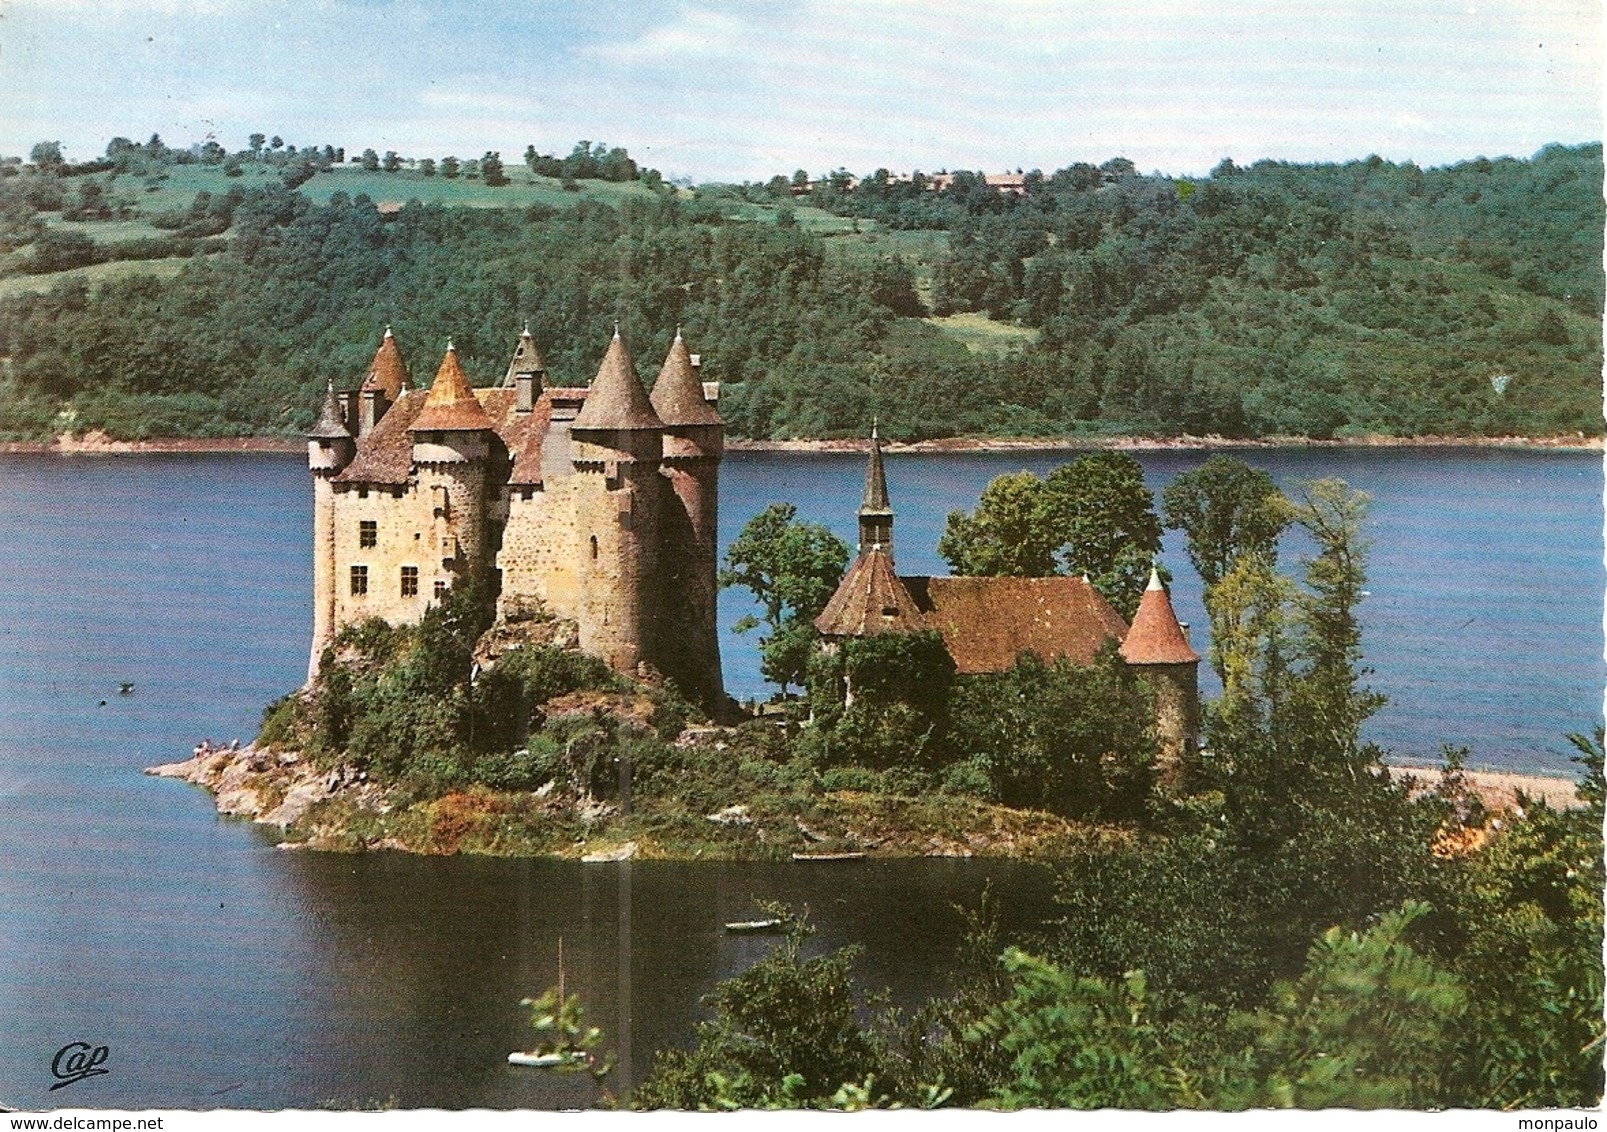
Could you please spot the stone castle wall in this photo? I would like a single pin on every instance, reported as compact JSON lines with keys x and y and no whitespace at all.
{"x":405,"y":535}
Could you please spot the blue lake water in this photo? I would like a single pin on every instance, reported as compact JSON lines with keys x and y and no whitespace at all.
{"x":131,"y":915}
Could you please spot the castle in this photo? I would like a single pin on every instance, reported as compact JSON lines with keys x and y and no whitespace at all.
{"x":595,"y":505}
{"x":986,"y":623}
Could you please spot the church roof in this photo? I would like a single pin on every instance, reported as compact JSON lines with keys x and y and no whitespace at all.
{"x":451,"y":405}
{"x":987,"y":622}
{"x":1156,"y":637}
{"x":871,"y":599}
{"x":331,"y":424}
{"x":678,"y":394}
{"x":526,"y":359}
{"x":875,"y":501}
{"x":617,"y":399}
{"x":387,"y":372}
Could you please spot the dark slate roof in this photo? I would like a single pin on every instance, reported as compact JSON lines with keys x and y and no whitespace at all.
{"x":526,"y":359}
{"x":451,"y":405}
{"x":987,"y":622}
{"x":875,"y":501}
{"x":387,"y":371}
{"x":331,"y":424}
{"x":870,"y":599}
{"x":678,"y":394}
{"x":617,"y":399}
{"x":1156,"y":636}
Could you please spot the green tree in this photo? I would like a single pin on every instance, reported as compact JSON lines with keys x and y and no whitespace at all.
{"x":791,"y":568}
{"x":1093,"y":516}
{"x":1071,"y":738}
{"x":1006,"y":536}
{"x":391,"y":163}
{"x":449,"y":167}
{"x":491,"y":170}
{"x":1106,"y":517}
{"x":1227,"y":509}
{"x":785,"y":1034}
{"x":47,"y":155}
{"x":1328,"y":704}
{"x":370,"y":161}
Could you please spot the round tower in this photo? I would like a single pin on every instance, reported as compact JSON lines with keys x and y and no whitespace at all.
{"x":1158,"y":650}
{"x":617,"y":444}
{"x":688,"y":648}
{"x":452,"y":450}
{"x":330,"y":447}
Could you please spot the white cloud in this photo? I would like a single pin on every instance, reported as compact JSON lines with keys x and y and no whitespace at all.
{"x":695,"y":34}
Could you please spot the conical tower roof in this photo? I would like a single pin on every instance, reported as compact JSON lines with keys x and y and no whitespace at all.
{"x":870,"y":600}
{"x":875,"y":501}
{"x":331,"y":423}
{"x":451,"y":405}
{"x":678,"y":394}
{"x":387,"y":372}
{"x":616,"y":399}
{"x":526,"y":359}
{"x":1156,"y":637}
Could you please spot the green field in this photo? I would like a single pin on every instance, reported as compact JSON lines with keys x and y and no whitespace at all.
{"x":523,"y":189}
{"x":982,"y":335}
{"x":94,"y":275}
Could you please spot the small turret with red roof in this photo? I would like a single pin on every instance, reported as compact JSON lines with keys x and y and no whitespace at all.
{"x":1158,"y":649}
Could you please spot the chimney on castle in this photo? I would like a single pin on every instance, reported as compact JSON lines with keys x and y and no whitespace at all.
{"x":526,"y":374}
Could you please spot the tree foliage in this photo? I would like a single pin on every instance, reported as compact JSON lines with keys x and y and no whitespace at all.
{"x":791,"y":568}
{"x":1227,"y":510}
{"x":1093,"y":516}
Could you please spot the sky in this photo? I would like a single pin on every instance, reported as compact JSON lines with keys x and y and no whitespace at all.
{"x":745,"y":89}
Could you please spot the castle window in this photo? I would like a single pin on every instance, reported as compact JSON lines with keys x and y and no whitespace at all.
{"x":368,"y":533}
{"x":440,"y":589}
{"x":359,"y":581}
{"x":409,"y":581}
{"x":362,"y":493}
{"x":594,"y":547}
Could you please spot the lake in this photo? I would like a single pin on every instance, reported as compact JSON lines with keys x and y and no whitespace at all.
{"x":220,"y":972}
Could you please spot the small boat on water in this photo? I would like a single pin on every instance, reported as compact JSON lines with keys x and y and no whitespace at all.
{"x":546,"y":1060}
{"x":756,"y":927}
{"x":847,"y":856}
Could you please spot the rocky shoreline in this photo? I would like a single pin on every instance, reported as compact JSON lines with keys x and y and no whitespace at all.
{"x":99,"y":444}
{"x":341,"y":810}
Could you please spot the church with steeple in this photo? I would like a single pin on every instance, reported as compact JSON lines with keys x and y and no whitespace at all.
{"x":986,"y":623}
{"x":596,"y":505}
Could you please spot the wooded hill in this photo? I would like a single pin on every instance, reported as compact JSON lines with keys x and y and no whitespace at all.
{"x":160,"y":292}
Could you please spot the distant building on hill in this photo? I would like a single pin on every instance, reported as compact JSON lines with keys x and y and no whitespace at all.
{"x":986,"y":623}
{"x":597,"y":505}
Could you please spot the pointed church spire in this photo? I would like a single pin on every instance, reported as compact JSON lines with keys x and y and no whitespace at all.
{"x":678,"y":394}
{"x":616,"y":399}
{"x":451,"y":405}
{"x":1156,"y":636}
{"x":875,"y":512}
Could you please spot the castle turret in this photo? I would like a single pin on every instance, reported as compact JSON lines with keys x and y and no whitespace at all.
{"x":1159,"y":651}
{"x":382,"y":387}
{"x":330,"y":448}
{"x":452,"y":450}
{"x":617,"y":444}
{"x":687,"y":648}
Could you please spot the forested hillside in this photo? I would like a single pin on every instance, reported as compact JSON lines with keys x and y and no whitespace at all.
{"x":160,"y":292}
